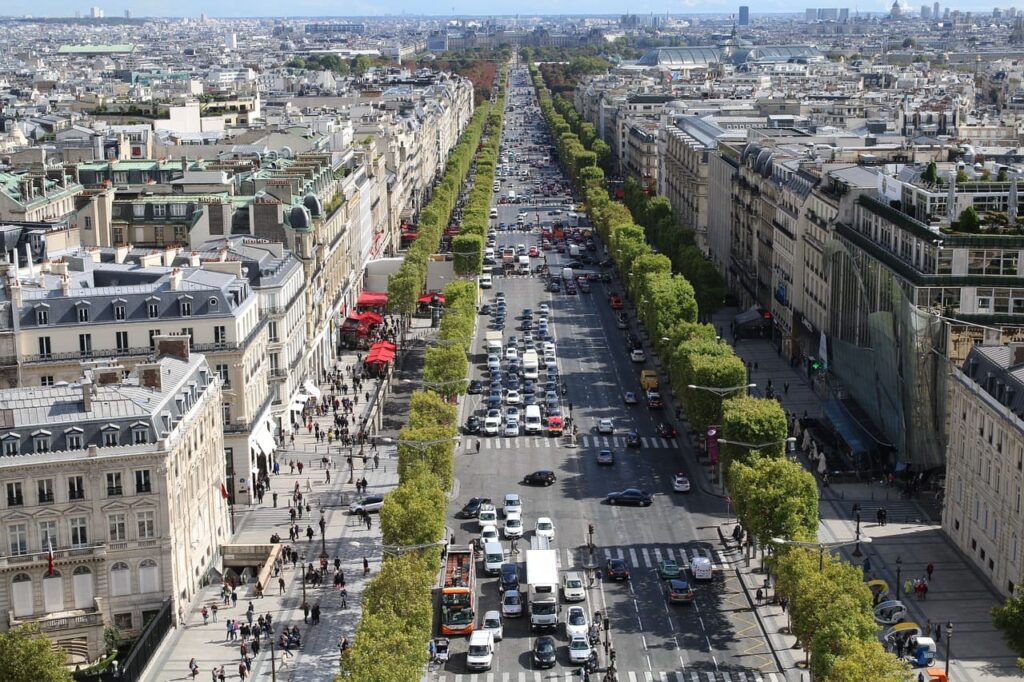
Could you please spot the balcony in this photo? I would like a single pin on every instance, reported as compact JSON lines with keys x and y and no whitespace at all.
{"x":242,"y":427}
{"x":96,"y":549}
{"x":76,"y":356}
{"x":115,"y":490}
{"x":68,"y":620}
{"x":278,"y":374}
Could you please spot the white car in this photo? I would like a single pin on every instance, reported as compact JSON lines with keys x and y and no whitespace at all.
{"x":493,"y":364}
{"x":492,"y":425}
{"x":513,"y":398}
{"x":512,"y":604}
{"x":576,"y":624}
{"x":579,"y":650}
{"x":512,"y":354}
{"x":545,"y":307}
{"x":545,"y":528}
{"x":511,"y":429}
{"x":492,"y":624}
{"x":605,"y":426}
{"x":511,"y":414}
{"x":572,"y":586}
{"x":680,"y":483}
{"x":488,"y":533}
{"x":637,"y":355}
{"x":513,"y":504}
{"x":513,"y":527}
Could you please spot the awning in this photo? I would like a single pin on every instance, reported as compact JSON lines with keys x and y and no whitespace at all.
{"x":429,"y":298}
{"x":265,"y":441}
{"x":847,"y":428}
{"x":298,"y":404}
{"x":380,"y":352}
{"x":372,"y":299}
{"x":311,"y":389}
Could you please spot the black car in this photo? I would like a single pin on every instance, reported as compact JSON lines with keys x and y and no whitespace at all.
{"x":473,"y":424}
{"x":616,"y":569}
{"x":544,"y":650}
{"x":633,"y":439}
{"x":475,"y":386}
{"x":485,"y":309}
{"x":509,"y":577}
{"x":542,"y":477}
{"x":634,"y":496}
{"x":472,"y":508}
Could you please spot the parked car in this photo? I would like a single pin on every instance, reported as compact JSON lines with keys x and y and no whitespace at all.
{"x":370,"y":504}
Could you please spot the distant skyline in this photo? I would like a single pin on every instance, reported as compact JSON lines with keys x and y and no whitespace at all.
{"x":446,"y":8}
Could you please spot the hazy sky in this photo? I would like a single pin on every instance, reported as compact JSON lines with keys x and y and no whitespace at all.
{"x":274,"y":8}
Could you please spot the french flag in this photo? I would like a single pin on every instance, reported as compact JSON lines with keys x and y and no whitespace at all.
{"x":49,"y":558}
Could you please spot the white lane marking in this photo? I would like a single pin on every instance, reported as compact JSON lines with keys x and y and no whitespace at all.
{"x":632,"y":556}
{"x":646,"y":556}
{"x":657,"y":555}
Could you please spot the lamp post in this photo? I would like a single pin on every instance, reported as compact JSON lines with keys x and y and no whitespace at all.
{"x":273,"y":661}
{"x":398,"y":550}
{"x":750,"y":446}
{"x":323,"y":534}
{"x":820,"y":546}
{"x":899,"y":569}
{"x":856,"y":512}
{"x":720,"y":391}
{"x":949,"y":645}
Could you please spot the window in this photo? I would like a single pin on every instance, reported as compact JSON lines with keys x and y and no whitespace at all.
{"x":41,"y":442}
{"x":180,"y":234}
{"x":153,"y":333}
{"x":226,"y":412}
{"x":119,"y":312}
{"x":214,"y":302}
{"x":83,"y":313}
{"x":117,"y":526}
{"x":140,"y":435}
{"x":79,"y":531}
{"x":11,"y":446}
{"x":138,"y":210}
{"x":15,"y":498}
{"x":272,"y":331}
{"x":146,"y":522}
{"x":44,"y":346}
{"x":110,"y":439}
{"x":88,"y":222}
{"x":46,"y":380}
{"x":47,"y":535}
{"x":220,"y":334}
{"x":274,"y":361}
{"x":76,"y":488}
{"x":159,"y":210}
{"x":120,"y":580}
{"x":186,"y":308}
{"x":122,"y":340}
{"x":143,"y":484}
{"x":222,"y":372}
{"x":123,"y":621}
{"x":190,"y":333}
{"x":179,"y":210}
{"x":45,"y":489}
{"x":153,"y":310}
{"x":42,"y":316}
{"x":114,"y":486}
{"x":85,"y":344}
{"x":17,"y":539}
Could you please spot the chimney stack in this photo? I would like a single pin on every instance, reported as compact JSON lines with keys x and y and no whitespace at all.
{"x":194,"y":260}
{"x":121,"y":253}
{"x":149,"y":375}
{"x":87,"y":394}
{"x":65,"y":284}
{"x":175,"y":279}
{"x":173,"y":345}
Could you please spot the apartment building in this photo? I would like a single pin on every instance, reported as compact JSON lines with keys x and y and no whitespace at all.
{"x":118,"y":474}
{"x":985,"y":462}
{"x":44,"y":193}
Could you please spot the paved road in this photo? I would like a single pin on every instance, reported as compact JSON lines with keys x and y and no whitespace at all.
{"x":717,"y":637}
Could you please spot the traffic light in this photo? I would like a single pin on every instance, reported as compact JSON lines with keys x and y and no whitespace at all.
{"x":607,"y":624}
{"x":813,"y":367}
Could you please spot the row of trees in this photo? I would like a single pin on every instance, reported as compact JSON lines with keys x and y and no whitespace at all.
{"x":773,"y":495}
{"x":397,"y":620}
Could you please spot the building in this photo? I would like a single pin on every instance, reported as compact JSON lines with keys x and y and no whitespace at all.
{"x":37,"y":195}
{"x":744,"y":15}
{"x":120,"y":478}
{"x":985,"y":461}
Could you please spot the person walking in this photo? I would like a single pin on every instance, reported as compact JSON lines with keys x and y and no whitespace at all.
{"x":928,"y":569}
{"x":193,"y":667}
{"x":214,"y":609}
{"x":305,"y":613}
{"x":369,"y":522}
{"x":280,"y":585}
{"x":243,"y":671}
{"x":366,"y":566}
{"x":328,"y":476}
{"x":206,"y":615}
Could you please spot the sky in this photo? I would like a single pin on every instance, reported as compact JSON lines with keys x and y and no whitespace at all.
{"x":320,"y":8}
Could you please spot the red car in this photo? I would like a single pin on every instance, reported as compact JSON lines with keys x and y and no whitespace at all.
{"x":615,"y":302}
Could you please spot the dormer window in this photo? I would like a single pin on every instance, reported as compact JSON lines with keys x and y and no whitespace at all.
{"x":110,"y":435}
{"x":83,"y":310}
{"x":73,"y":438}
{"x":41,"y":441}
{"x":153,"y":307}
{"x":43,"y":315}
{"x":185,"y":306}
{"x":213,"y":302}
{"x":159,"y":210}
{"x":140,"y":434}
{"x":11,"y":444}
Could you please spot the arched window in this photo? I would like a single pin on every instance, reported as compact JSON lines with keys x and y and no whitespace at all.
{"x":53,"y":592}
{"x":120,"y":579}
{"x":84,"y":588}
{"x":149,"y":576}
{"x":22,"y":596}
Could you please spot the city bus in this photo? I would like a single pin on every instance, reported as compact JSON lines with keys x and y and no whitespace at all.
{"x":458,"y":592}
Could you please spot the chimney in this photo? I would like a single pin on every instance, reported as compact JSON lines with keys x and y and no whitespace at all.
{"x":65,"y":284}
{"x":173,"y":345}
{"x":175,"y":279}
{"x":108,"y":375}
{"x":184,"y":164}
{"x":121,"y":253}
{"x":1016,"y":354}
{"x":87,"y":394}
{"x":169,"y":253}
{"x":194,"y":260}
{"x":149,"y":375}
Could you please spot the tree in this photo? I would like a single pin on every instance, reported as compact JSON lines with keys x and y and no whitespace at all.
{"x":1009,"y":618}
{"x":861,"y":661}
{"x":447,"y":368}
{"x":426,"y":408}
{"x":962,"y":176}
{"x":931,"y":173}
{"x":717,"y":368}
{"x":1003,"y":175}
{"x":403,"y":588}
{"x":775,"y":498}
{"x":413,"y":513}
{"x":754,"y":421}
{"x":431,"y":446}
{"x":403,"y":289}
{"x":27,"y":655}
{"x":969,"y":220}
{"x":386,"y":649}
{"x":468,"y":250}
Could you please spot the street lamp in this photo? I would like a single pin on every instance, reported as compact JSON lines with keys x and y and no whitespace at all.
{"x":720,"y":392}
{"x":949,"y":645}
{"x":899,"y":569}
{"x":398,"y":550}
{"x":751,"y":446}
{"x":820,"y":546}
{"x":323,"y":534}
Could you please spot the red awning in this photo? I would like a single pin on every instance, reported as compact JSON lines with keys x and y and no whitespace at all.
{"x":370,"y":318}
{"x":380,"y":352}
{"x":372,"y":299}
{"x":429,"y":298}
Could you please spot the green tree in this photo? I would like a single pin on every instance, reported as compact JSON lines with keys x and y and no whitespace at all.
{"x":931,"y":173}
{"x":969,"y":220}
{"x":775,"y":498}
{"x":404,"y":289}
{"x":385,"y":649}
{"x":413,"y":513}
{"x":403,"y":588}
{"x":1009,"y":619}
{"x":426,"y":408}
{"x":715,"y":369}
{"x":756,"y":422}
{"x":432,"y":446}
{"x":27,"y":655}
{"x":469,"y":254}
{"x":1003,"y":175}
{"x":860,"y":661}
{"x":446,"y":367}
{"x":962,"y":177}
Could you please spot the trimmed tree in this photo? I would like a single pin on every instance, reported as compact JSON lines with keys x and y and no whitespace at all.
{"x":775,"y":498}
{"x":862,"y":660}
{"x":413,"y":513}
{"x":756,"y":422}
{"x":426,"y":408}
{"x":27,"y":655}
{"x":469,"y":254}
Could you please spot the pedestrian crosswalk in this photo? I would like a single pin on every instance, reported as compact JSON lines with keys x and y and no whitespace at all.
{"x":611,"y":442}
{"x":570,"y":675}
{"x":650,"y":557}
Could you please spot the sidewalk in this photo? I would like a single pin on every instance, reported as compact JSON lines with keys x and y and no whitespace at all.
{"x":958,"y":592}
{"x":347,"y":539}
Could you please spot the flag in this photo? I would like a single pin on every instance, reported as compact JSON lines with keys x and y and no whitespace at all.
{"x":49,"y":557}
{"x":223,"y":491}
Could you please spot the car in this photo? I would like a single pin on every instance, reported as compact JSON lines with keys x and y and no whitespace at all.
{"x":492,"y":424}
{"x":629,"y":397}
{"x":678,"y":591}
{"x":572,"y":587}
{"x":605,"y":426}
{"x":492,"y":623}
{"x":633,"y":496}
{"x":512,"y":604}
{"x":579,"y":650}
{"x":576,"y":623}
{"x":584,"y":286}
{"x":615,"y":302}
{"x":527,"y":313}
{"x":512,"y":353}
{"x":622,"y":322}
{"x":637,"y":355}
{"x":570,"y":289}
{"x":513,"y":504}
{"x":511,"y":429}
{"x":527,"y":325}
{"x":485,"y":309}
{"x":681,"y":483}
{"x":493,"y":364}
{"x":513,"y":527}
{"x":605,"y":457}
{"x":511,"y":414}
{"x":512,"y":383}
{"x":541,"y":477}
{"x":544,"y":307}
{"x":472,"y":507}
{"x":544,"y":652}
{"x":545,"y":528}
{"x":654,"y":400}
{"x":633,"y":439}
{"x":667,"y":568}
{"x":370,"y":504}
{"x":667,"y":431}
{"x":494,"y":400}
{"x":616,"y":569}
{"x":475,"y":387}
{"x":513,"y":397}
{"x":508,"y":577}
{"x":488,"y":533}
{"x":473,"y":424}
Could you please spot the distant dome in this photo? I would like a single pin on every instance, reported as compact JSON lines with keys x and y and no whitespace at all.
{"x":312,"y":204}
{"x":298,"y":218}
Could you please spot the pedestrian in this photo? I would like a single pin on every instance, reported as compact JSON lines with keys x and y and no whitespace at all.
{"x":908,"y":587}
{"x":243,"y":670}
{"x":376,"y":457}
{"x":206,"y":615}
{"x":924,"y":589}
{"x":366,"y":566}
{"x":478,"y":446}
{"x":369,"y":522}
{"x":214,"y":610}
{"x":305,"y":613}
{"x":785,"y":388}
{"x":784,"y":603}
{"x":309,"y":533}
{"x":328,"y":476}
{"x":280,"y":585}
{"x":937,"y":629}
{"x":344,"y":598}
{"x":928,"y":569}
{"x":274,"y":497}
{"x":299,"y":466}
{"x":760,"y":596}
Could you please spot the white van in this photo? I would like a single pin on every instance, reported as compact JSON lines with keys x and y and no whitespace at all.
{"x":494,"y":214}
{"x":700,"y":568}
{"x":481,"y":650}
{"x":485,"y":281}
{"x":533,"y":420}
{"x":494,"y":556}
{"x":488,"y":516}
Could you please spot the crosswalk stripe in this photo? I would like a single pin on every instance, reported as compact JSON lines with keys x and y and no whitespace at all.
{"x":695,"y":677}
{"x":619,"y":554}
{"x":711,"y":677}
{"x":675,"y":443}
{"x":632,"y":556}
{"x":657,"y":555}
{"x":670,"y":554}
{"x":726,"y":677}
{"x":632,"y":676}
{"x":663,"y":677}
{"x":646,"y":556}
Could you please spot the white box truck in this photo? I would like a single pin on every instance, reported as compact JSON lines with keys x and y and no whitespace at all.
{"x":524,"y":265}
{"x":542,"y":582}
{"x":531,"y":365}
{"x":493,"y":342}
{"x":534,"y":424}
{"x":574,"y":250}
